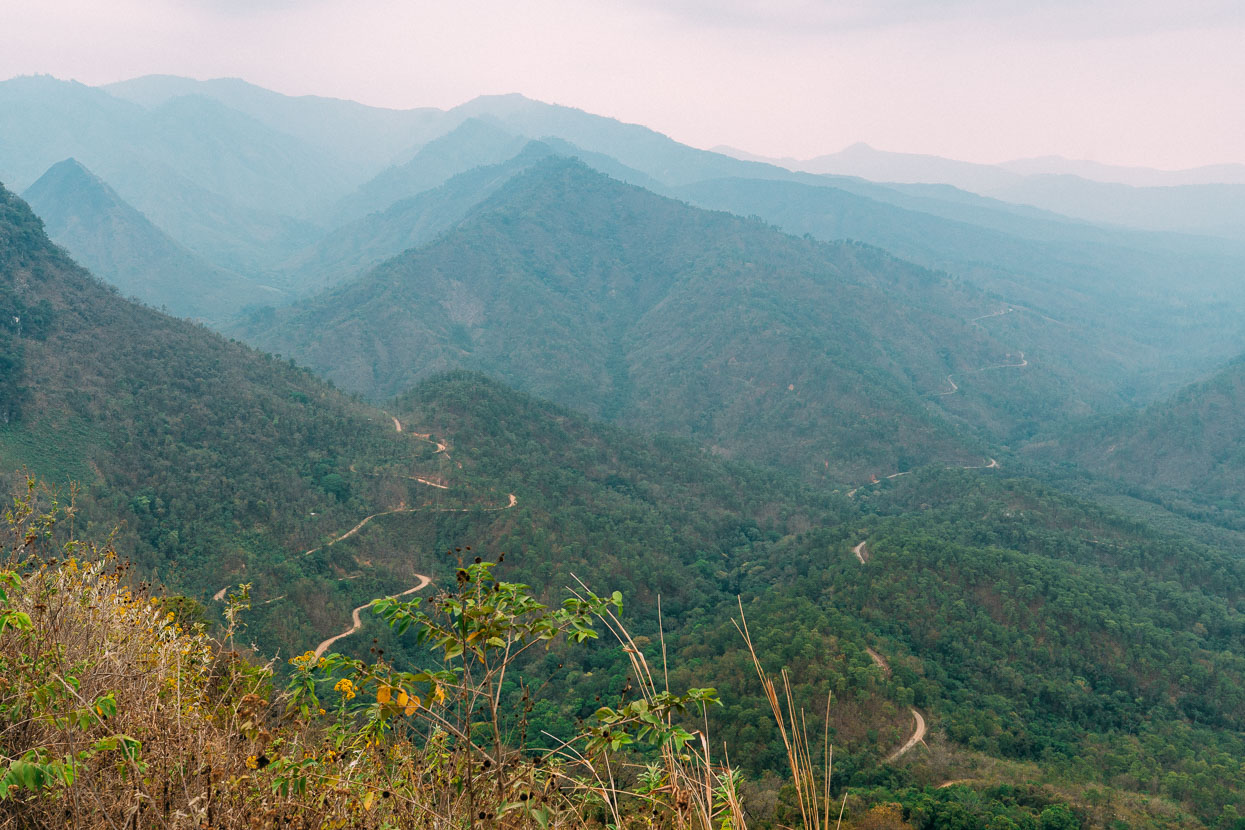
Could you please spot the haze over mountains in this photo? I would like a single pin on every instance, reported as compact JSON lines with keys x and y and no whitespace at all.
{"x":122,"y":247}
{"x":963,"y":439}
{"x":1205,"y":200}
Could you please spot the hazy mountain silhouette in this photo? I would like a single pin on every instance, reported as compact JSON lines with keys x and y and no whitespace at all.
{"x":473,"y":143}
{"x":119,"y":245}
{"x":364,"y":138}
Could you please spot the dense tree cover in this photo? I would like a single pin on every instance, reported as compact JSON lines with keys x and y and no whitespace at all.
{"x":1027,"y":624}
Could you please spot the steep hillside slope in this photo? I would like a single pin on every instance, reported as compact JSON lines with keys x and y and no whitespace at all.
{"x":217,"y":148}
{"x":637,"y":308}
{"x":351,"y":249}
{"x":1194,"y":442}
{"x":120,"y":246}
{"x":224,"y":185}
{"x":212,"y":458}
{"x":348,"y":251}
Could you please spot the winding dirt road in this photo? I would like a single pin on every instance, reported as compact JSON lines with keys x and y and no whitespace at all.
{"x":356,"y":620}
{"x":879,"y":661}
{"x":862,"y":553}
{"x":992,"y":465}
{"x":512,"y":500}
{"x":917,"y":736}
{"x":1023,"y":363}
{"x":954,"y":388}
{"x":976,"y":321}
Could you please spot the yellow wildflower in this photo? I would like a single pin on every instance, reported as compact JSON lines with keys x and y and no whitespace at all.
{"x":252,"y":762}
{"x":304,"y":660}
{"x":345,"y":688}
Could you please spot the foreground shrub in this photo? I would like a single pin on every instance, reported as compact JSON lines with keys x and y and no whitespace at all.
{"x":117,"y":709}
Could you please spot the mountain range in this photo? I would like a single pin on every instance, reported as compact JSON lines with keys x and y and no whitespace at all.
{"x":632,"y":307}
{"x":1204,"y":200}
{"x":966,"y":463}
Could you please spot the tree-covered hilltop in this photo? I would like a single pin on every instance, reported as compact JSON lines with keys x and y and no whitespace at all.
{"x":827,"y":359}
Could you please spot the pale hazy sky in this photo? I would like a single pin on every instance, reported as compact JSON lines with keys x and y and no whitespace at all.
{"x":1149,"y":82}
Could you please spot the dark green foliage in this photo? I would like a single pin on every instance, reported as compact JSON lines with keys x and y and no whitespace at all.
{"x":1023,"y":623}
{"x":213,"y":459}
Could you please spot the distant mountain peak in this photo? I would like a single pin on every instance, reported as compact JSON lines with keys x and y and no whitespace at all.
{"x":69,"y":181}
{"x":859,"y":147}
{"x":71,"y":166}
{"x":120,"y":245}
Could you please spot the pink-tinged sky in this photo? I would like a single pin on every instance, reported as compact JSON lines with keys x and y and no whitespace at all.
{"x":1157,"y":83}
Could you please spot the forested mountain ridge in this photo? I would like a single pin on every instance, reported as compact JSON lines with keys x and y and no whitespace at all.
{"x":214,"y":460}
{"x":1207,"y":200}
{"x":473,"y":143}
{"x":365,"y":138}
{"x":222,"y":184}
{"x":350,"y":250}
{"x":1129,"y":317}
{"x":119,"y":245}
{"x":638,"y":308}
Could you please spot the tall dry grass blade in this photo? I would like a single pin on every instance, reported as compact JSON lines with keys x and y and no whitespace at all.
{"x":828,"y":755}
{"x":661,"y":631}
